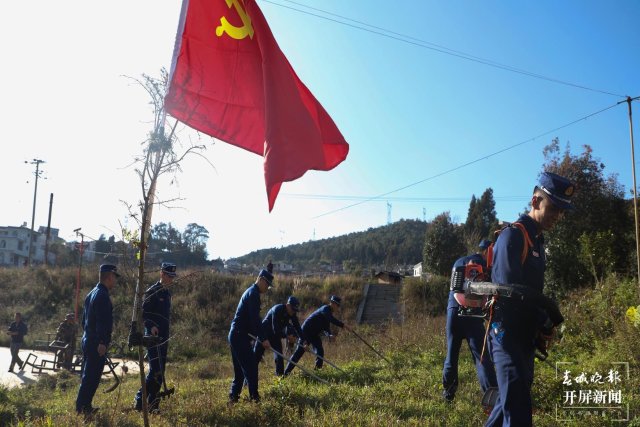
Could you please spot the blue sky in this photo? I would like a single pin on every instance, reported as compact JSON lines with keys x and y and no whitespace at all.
{"x":408,"y":112}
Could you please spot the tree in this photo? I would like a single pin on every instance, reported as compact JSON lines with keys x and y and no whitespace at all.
{"x":165,"y":238}
{"x":195,"y":239}
{"x":595,"y":239}
{"x":102,"y":245}
{"x":162,"y":154}
{"x":482,"y":220}
{"x":443,"y":245}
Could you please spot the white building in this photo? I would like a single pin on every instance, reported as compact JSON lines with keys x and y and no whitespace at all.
{"x":281,"y":267}
{"x":417,"y":270}
{"x":14,"y":245}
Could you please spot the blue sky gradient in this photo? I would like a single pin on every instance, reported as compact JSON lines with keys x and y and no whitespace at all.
{"x":409,"y":112}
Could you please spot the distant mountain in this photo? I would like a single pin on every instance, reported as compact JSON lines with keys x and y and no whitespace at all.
{"x":397,"y":244}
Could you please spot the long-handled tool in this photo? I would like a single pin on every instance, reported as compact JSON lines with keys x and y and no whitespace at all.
{"x":292,"y":362}
{"x":166,"y":392}
{"x":370,"y":346}
{"x":325,"y":360}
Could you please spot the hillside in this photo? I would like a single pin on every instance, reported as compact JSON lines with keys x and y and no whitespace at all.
{"x":389,"y":246}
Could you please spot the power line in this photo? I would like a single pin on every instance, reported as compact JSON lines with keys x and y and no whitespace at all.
{"x":469,"y":163}
{"x":396,"y":199}
{"x":431,"y":46}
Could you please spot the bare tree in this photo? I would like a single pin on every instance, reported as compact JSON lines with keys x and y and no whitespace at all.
{"x":162,"y":153}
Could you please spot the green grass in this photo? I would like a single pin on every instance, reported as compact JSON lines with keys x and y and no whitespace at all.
{"x":372,"y":393}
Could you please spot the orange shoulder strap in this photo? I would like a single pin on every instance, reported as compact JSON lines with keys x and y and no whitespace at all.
{"x":527,"y":241}
{"x":525,"y":249}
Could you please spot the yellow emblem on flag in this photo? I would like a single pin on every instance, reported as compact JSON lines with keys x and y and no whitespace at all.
{"x":237,"y":33}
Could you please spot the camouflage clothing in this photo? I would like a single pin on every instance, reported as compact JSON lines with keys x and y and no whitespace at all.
{"x":66,"y":333}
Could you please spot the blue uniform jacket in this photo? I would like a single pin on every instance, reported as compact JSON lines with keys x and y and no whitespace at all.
{"x":97,"y":317}
{"x":156,"y":309}
{"x":247,"y":318}
{"x":319,"y":321}
{"x":476,"y":258}
{"x":20,"y":328}
{"x":277,"y":319}
{"x":508,"y":269}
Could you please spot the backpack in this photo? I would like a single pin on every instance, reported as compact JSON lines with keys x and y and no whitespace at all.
{"x":525,"y":248}
{"x":474,"y":272}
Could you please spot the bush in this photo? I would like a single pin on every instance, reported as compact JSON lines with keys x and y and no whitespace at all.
{"x":425,"y":297}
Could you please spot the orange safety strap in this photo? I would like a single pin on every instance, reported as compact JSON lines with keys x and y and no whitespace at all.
{"x":525,"y":248}
{"x":527,"y":241}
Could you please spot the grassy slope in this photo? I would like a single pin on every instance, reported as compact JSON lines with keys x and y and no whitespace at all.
{"x":372,"y":394}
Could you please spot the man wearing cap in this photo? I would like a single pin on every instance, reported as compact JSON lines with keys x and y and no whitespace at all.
{"x":274,"y":325}
{"x":316,"y":325}
{"x":247,"y":322}
{"x":469,"y":328}
{"x":517,"y":325}
{"x":66,"y":334}
{"x":97,"y":322}
{"x":156,"y":314}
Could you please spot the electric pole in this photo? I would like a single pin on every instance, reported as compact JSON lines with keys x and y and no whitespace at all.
{"x":635,"y":188}
{"x":80,"y":255}
{"x":33,"y":213}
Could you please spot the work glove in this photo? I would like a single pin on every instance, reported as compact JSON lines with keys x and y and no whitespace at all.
{"x":545,"y":337}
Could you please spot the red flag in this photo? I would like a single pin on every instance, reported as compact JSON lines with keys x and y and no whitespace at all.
{"x":230,"y":80}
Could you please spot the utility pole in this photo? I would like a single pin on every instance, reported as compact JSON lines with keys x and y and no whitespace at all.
{"x":33,"y":213}
{"x":81,"y":253}
{"x":635,"y":188}
{"x":388,"y":213}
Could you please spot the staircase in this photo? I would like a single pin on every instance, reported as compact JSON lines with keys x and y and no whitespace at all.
{"x":381,"y":304}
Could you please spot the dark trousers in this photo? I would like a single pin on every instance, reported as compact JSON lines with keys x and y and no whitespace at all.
{"x":157,"y":357}
{"x":276,"y":344}
{"x":15,"y":348}
{"x":65,"y":356}
{"x":92,"y":367}
{"x":245,"y":366}
{"x":472,"y":330}
{"x":513,"y":356}
{"x":316,"y":344}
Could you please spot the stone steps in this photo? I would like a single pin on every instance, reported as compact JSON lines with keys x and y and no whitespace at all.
{"x":381,"y":304}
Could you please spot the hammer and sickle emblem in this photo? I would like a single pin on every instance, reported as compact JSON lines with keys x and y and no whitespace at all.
{"x":237,"y":33}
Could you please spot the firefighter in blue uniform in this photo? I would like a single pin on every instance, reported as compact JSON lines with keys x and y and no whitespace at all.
{"x":156,"y":314}
{"x":316,"y":325}
{"x":517,"y":325}
{"x":97,"y":322}
{"x":469,"y":328}
{"x":275,"y":325}
{"x":247,"y":321}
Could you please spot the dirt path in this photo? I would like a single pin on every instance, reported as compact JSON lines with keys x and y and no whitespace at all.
{"x":14,"y":379}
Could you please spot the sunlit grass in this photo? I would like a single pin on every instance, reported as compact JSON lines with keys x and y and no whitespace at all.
{"x":405,"y":390}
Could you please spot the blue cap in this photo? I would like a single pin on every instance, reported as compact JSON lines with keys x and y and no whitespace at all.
{"x":294,"y":303}
{"x":484,"y":244}
{"x":267,"y":276}
{"x":169,"y":269}
{"x":109,"y":268}
{"x":558,"y":188}
{"x":335,"y":299}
